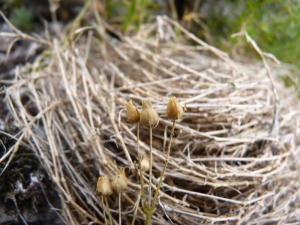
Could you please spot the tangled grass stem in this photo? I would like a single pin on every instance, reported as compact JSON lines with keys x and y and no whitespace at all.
{"x":232,"y":111}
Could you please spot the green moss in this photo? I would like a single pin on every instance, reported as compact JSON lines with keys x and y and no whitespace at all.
{"x":22,"y":18}
{"x":130,"y":14}
{"x":273,"y":24}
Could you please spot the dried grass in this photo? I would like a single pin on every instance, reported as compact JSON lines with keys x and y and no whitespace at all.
{"x":235,"y":153}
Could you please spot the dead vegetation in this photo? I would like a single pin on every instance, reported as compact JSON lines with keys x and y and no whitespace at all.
{"x":235,"y":153}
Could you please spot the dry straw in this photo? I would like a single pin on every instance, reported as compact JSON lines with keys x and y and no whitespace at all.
{"x":235,"y":151}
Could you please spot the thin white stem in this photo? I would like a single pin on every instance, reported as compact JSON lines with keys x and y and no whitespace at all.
{"x":120,"y":214}
{"x":138,"y":140}
{"x":165,"y":166}
{"x":139,"y":160}
{"x":150,"y":169}
{"x":104,"y":213}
